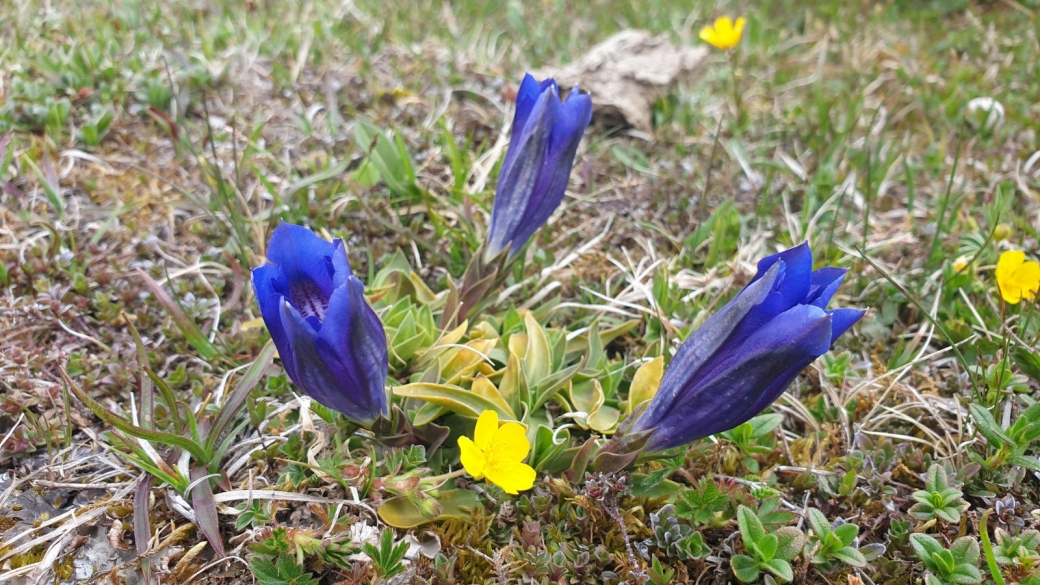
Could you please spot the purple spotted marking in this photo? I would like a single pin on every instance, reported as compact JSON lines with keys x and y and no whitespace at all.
{"x":308,"y":299}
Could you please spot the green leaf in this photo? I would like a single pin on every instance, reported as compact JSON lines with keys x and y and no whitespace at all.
{"x":764,"y":424}
{"x":645,"y":383}
{"x":123,"y":424}
{"x":401,"y":512}
{"x":850,"y":556}
{"x":237,"y":397}
{"x":790,"y":542}
{"x":988,"y":427}
{"x":455,"y":399}
{"x":750,"y":527}
{"x":745,"y":568}
{"x":966,"y":550}
{"x":187,"y":327}
{"x":820,"y":525}
{"x":538,"y":359}
{"x":780,"y":568}
{"x":767,"y":546}
{"x":925,"y":546}
{"x":846,"y":533}
{"x":387,"y":156}
{"x":1025,"y":461}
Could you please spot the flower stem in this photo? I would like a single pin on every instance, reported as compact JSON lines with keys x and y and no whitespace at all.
{"x":439,"y":480}
{"x":736,"y":90}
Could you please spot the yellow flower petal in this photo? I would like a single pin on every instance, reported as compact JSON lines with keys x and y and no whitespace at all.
{"x":487,"y":426}
{"x":1009,"y":261}
{"x":1027,"y":277}
{"x":510,"y":443}
{"x":724,"y":26}
{"x":708,"y":35}
{"x":513,"y":477}
{"x":1016,"y":278}
{"x":724,"y":34}
{"x":472,"y":458}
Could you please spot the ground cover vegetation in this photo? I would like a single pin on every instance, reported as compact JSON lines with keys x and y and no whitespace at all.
{"x":329,"y":292}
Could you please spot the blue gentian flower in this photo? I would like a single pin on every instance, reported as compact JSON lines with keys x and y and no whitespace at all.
{"x":330,"y":340}
{"x":743,"y":357}
{"x":538,"y":162}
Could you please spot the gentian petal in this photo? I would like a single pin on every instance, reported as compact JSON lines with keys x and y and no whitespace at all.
{"x":766,"y":362}
{"x":352,"y":344}
{"x":700,"y":347}
{"x":340,"y":264}
{"x":574,"y":116}
{"x":797,"y":272}
{"x":302,"y":256}
{"x":526,"y":97}
{"x":842,"y":319}
{"x":520,"y":171}
{"x":266,"y":280}
{"x":823,"y":284}
{"x":313,"y":375}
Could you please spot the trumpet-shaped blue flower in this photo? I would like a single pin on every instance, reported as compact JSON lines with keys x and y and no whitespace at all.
{"x":743,"y":357}
{"x":534,"y":174}
{"x":330,"y":340}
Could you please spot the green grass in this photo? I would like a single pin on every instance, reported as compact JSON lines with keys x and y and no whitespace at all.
{"x":172,"y":137}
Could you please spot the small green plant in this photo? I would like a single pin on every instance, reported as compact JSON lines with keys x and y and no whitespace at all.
{"x":387,"y":558}
{"x":755,"y":437}
{"x":282,"y":571}
{"x":658,"y":574}
{"x":1010,"y":444}
{"x":770,"y":552}
{"x":676,"y":539}
{"x":829,"y":545}
{"x":256,"y":515}
{"x":938,"y":500}
{"x":957,"y":565}
{"x":899,"y":532}
{"x":1018,"y":550}
{"x":702,"y":504}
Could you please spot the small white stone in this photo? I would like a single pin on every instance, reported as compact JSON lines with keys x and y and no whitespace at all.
{"x":984,"y":113}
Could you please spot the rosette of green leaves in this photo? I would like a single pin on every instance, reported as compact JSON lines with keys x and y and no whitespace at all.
{"x":831,"y":544}
{"x":938,"y":500}
{"x":769,"y":552}
{"x":517,"y":367}
{"x":957,"y":565}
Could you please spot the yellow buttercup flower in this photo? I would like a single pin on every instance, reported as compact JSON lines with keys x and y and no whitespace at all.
{"x":724,"y":34}
{"x":1016,"y":278}
{"x":497,"y":452}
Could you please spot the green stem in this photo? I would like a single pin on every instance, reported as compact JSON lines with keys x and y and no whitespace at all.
{"x":736,"y":91}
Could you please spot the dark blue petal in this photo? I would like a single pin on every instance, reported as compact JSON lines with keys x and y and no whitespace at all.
{"x":304,"y":258}
{"x":574,"y":117}
{"x":267,"y":280}
{"x":314,"y":376}
{"x":526,"y":97}
{"x":700,"y":350}
{"x":340,"y":264}
{"x":353,"y":344}
{"x":823,"y":284}
{"x":798,"y":271}
{"x":520,"y":172}
{"x":755,"y":373}
{"x":842,"y":320}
